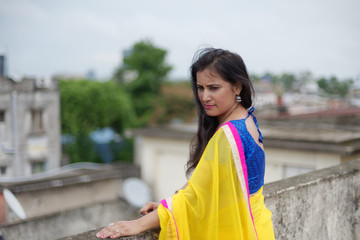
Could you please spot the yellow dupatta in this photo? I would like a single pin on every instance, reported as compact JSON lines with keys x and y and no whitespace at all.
{"x":215,"y":204}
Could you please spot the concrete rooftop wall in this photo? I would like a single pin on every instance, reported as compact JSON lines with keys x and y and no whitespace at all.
{"x":324,"y":204}
{"x":62,"y":224}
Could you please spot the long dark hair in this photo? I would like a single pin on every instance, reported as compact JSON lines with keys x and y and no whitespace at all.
{"x":231,"y":68}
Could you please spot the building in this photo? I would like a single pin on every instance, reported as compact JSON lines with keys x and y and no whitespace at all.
{"x":293,"y":145}
{"x":2,"y":66}
{"x":354,"y":92}
{"x":74,"y":198}
{"x":29,"y":126}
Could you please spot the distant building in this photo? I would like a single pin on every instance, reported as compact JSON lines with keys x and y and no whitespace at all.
{"x":354,"y":93}
{"x":307,"y":100}
{"x":2,"y":66}
{"x":37,"y":146}
{"x":91,"y":75}
{"x":68,"y":77}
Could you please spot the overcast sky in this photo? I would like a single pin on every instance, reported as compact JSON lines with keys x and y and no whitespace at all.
{"x":45,"y":37}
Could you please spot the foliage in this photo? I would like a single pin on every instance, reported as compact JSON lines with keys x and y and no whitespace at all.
{"x":142,"y":74}
{"x":332,"y":87}
{"x":126,"y":102}
{"x":81,"y":149}
{"x":148,"y":61}
{"x":281,"y":83}
{"x":87,"y":106}
{"x":125,"y":152}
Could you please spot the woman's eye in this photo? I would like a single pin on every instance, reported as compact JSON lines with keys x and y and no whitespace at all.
{"x":200,"y":88}
{"x":213,"y":88}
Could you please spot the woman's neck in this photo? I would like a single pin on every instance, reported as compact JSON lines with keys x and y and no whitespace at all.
{"x":238,"y":113}
{"x":230,"y":115}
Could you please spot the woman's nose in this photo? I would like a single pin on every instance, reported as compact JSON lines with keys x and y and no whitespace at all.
{"x":205,"y":95}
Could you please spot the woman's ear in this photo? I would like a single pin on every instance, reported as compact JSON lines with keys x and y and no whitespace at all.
{"x":237,"y":88}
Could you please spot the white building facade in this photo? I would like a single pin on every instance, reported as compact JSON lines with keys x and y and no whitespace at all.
{"x":29,"y":126}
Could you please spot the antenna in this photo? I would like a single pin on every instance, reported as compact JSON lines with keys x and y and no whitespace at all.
{"x":136,"y":192}
{"x":14,"y":204}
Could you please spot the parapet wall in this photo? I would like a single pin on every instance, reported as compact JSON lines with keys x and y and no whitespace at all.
{"x":320,"y":205}
{"x":323,"y":204}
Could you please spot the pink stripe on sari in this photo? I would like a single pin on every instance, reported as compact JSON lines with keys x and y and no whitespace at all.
{"x":241,"y":152}
{"x":164,"y":203}
{"x":243,"y":162}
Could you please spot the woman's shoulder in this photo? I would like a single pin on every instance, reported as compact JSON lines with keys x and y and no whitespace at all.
{"x":227,"y":130}
{"x":219,"y":135}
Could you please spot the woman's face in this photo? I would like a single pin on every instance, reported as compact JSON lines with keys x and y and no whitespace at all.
{"x":216,"y":95}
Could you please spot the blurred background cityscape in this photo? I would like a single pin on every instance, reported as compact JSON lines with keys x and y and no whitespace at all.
{"x":94,"y":92}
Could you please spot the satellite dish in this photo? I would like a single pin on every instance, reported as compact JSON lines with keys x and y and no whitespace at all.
{"x":14,"y":204}
{"x":136,"y":192}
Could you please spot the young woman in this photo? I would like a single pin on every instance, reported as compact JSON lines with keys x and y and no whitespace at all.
{"x":223,"y":198}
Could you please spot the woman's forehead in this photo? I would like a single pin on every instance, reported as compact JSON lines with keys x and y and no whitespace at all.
{"x":209,"y":76}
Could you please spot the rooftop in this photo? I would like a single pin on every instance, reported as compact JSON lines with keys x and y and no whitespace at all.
{"x":339,"y":132}
{"x":68,"y":175}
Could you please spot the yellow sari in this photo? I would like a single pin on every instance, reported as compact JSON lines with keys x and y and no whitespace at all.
{"x":216,"y":203}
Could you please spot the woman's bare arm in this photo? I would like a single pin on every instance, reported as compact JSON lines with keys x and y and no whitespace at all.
{"x":128,"y":228}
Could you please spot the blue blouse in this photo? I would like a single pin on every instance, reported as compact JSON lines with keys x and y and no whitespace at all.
{"x":254,"y":154}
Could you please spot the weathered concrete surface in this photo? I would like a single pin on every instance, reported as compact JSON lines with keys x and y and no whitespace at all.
{"x":67,"y":223}
{"x":321,"y":205}
{"x":70,"y":187}
{"x":317,"y":205}
{"x":91,"y":235}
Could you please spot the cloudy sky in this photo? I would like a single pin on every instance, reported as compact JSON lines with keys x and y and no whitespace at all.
{"x":42,"y":37}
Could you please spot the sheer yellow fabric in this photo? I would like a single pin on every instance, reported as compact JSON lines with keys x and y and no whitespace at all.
{"x":213,"y":205}
{"x":262,"y":217}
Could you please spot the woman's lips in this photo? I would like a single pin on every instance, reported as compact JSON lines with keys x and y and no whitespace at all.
{"x":209,"y":106}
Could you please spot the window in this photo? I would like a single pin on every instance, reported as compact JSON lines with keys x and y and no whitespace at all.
{"x":2,"y":126}
{"x":2,"y":170}
{"x":37,"y":167}
{"x":2,"y":116}
{"x":37,"y":124}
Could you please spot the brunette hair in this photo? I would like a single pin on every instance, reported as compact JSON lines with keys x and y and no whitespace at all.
{"x":231,"y":68}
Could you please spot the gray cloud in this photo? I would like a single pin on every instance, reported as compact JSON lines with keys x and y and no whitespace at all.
{"x":45,"y":37}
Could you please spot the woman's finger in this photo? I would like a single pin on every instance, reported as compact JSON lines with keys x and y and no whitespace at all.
{"x":108,"y":231}
{"x":148,"y":207}
{"x":116,"y":233}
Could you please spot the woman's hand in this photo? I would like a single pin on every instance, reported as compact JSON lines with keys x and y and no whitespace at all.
{"x":135,"y":227}
{"x":121,"y":228}
{"x":149,"y":207}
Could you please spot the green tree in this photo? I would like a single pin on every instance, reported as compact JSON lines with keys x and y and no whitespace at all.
{"x":282,"y":83}
{"x":87,"y":106}
{"x":143,"y":72}
{"x":332,"y":87}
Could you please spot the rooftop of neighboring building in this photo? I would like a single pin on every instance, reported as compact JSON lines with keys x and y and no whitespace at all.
{"x":70,"y":174}
{"x":27,"y":84}
{"x":331,"y":130}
